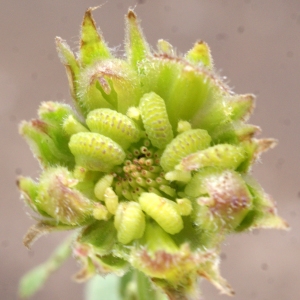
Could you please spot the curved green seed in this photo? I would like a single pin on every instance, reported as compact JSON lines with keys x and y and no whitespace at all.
{"x":224,"y":156}
{"x":111,"y":200}
{"x":187,"y":142}
{"x":129,"y":222}
{"x":95,"y":151}
{"x":164,"y":211}
{"x":101,"y":186}
{"x":156,"y":121}
{"x":114,"y":125}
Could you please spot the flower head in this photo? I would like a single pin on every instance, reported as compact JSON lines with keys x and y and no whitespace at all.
{"x":152,"y":169}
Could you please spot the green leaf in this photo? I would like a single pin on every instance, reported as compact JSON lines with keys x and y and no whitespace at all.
{"x":103,"y":288}
{"x":135,"y":285}
{"x":92,"y":45}
{"x":136,"y":46}
{"x":35,"y":279}
{"x":145,"y":290}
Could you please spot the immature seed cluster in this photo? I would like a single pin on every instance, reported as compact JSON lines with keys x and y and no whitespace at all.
{"x":152,"y":170}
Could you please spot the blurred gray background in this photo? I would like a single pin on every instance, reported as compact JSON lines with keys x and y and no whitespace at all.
{"x":255,"y":43}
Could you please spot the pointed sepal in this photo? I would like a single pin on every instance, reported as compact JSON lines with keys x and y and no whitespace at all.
{"x":54,"y":115}
{"x":242,"y":106}
{"x":44,"y":148}
{"x":29,"y":192}
{"x":71,"y":64}
{"x":92,"y":45}
{"x":41,"y":228}
{"x":136,"y":46}
{"x":209,"y":269}
{"x":264,"y":211}
{"x":200,"y":55}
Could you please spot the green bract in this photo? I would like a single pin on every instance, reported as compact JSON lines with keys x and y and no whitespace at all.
{"x":152,"y":169}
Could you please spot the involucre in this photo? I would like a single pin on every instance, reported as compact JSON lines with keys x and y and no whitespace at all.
{"x":152,"y":168}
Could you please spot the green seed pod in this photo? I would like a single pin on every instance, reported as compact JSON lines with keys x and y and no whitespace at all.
{"x":164,"y":211}
{"x":114,"y":125}
{"x":184,"y":144}
{"x":156,"y":121}
{"x":95,"y":151}
{"x":224,"y":156}
{"x":129,"y":222}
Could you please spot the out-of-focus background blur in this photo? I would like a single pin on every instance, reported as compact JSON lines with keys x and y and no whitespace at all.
{"x":255,"y":43}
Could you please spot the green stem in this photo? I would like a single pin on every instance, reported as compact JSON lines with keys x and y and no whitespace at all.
{"x":136,"y":286}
